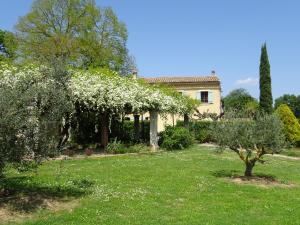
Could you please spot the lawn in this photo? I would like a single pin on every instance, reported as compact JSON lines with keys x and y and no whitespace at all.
{"x":294,"y":152}
{"x":183,"y":187}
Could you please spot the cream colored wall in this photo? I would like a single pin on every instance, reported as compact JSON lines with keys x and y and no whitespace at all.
{"x":214,"y":107}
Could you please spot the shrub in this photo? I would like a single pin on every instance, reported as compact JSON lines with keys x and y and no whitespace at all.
{"x":290,"y":122}
{"x":88,"y":151}
{"x":175,"y":138}
{"x":298,"y":144}
{"x":201,"y":130}
{"x":125,"y":131}
{"x":115,"y":147}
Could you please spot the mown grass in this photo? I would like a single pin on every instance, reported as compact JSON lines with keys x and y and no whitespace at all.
{"x":183,"y":187}
{"x":294,"y":152}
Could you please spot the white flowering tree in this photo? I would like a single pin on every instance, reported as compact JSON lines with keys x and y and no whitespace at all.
{"x":36,"y":100}
{"x":108,"y":93}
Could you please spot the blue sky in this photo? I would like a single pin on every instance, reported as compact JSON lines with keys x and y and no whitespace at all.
{"x":193,"y":37}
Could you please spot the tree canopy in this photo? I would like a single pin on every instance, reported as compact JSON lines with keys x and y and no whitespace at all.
{"x":290,"y":122}
{"x":249,"y":138}
{"x":265,"y":86}
{"x":8,"y":46}
{"x":76,"y":32}
{"x":239,"y":100}
{"x":292,"y":101}
{"x":104,"y":90}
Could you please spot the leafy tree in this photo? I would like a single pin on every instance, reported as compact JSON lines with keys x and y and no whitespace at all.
{"x":265,"y":99}
{"x":8,"y":46}
{"x":250,"y":139}
{"x":292,"y":101}
{"x":32,"y":107}
{"x":290,"y":122}
{"x":239,"y":100}
{"x":75,"y":32}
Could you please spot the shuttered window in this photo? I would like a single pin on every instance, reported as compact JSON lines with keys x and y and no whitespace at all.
{"x":205,"y":96}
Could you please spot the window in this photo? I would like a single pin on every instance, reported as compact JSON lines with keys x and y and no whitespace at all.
{"x":204,"y":96}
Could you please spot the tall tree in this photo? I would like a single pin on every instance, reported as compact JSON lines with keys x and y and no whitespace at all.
{"x":238,"y":100}
{"x":292,"y":101}
{"x":8,"y":46}
{"x":265,"y":99}
{"x":76,"y":32}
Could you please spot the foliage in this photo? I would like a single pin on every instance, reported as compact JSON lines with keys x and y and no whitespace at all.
{"x":115,"y":147}
{"x":250,"y":138}
{"x":290,"y":122}
{"x":173,"y":138}
{"x":32,"y":106}
{"x":265,"y":99}
{"x":73,"y":31}
{"x":292,"y":101}
{"x":201,"y":129}
{"x":239,"y":100}
{"x":124,"y":130}
{"x":103,"y":90}
{"x":8,"y":46}
{"x":206,"y":115}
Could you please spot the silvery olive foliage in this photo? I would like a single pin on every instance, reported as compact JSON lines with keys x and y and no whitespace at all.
{"x":250,"y":138}
{"x":32,"y":107}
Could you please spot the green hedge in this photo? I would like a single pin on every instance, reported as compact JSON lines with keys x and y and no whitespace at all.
{"x":201,"y":130}
{"x":174,"y":138}
{"x":125,"y":131}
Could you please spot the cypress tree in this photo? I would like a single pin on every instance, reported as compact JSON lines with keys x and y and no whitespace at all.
{"x":265,"y":99}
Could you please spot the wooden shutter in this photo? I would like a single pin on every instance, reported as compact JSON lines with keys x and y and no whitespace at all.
{"x":198,"y":95}
{"x":210,"y":97}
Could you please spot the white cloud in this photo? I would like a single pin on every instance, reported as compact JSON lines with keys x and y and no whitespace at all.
{"x":248,"y":81}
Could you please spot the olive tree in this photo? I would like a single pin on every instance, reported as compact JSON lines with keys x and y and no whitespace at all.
{"x":250,"y":138}
{"x":32,"y":106}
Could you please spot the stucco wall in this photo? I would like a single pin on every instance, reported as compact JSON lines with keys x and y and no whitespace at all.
{"x":191,"y":90}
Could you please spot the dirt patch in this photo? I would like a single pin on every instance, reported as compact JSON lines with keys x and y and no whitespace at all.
{"x":264,"y":182}
{"x":18,"y":208}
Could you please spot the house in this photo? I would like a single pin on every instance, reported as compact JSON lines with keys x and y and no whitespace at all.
{"x":207,"y":89}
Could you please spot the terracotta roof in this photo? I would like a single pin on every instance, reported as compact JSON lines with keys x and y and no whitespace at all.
{"x":195,"y":79}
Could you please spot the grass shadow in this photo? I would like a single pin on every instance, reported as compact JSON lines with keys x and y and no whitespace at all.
{"x":237,"y":174}
{"x":22,"y":194}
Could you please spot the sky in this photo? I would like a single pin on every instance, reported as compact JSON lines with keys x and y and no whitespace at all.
{"x":194,"y":37}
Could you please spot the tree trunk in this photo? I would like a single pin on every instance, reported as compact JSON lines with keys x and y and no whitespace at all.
{"x":248,"y":171}
{"x":153,"y":130}
{"x":137,"y":128}
{"x":104,"y":129}
{"x":142,"y":128}
{"x":64,"y":133}
{"x":186,"y":121}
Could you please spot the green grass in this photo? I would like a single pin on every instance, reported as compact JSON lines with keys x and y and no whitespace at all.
{"x":294,"y":152}
{"x":183,"y":187}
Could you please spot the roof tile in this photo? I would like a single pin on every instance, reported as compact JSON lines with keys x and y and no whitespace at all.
{"x":194,"y":79}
